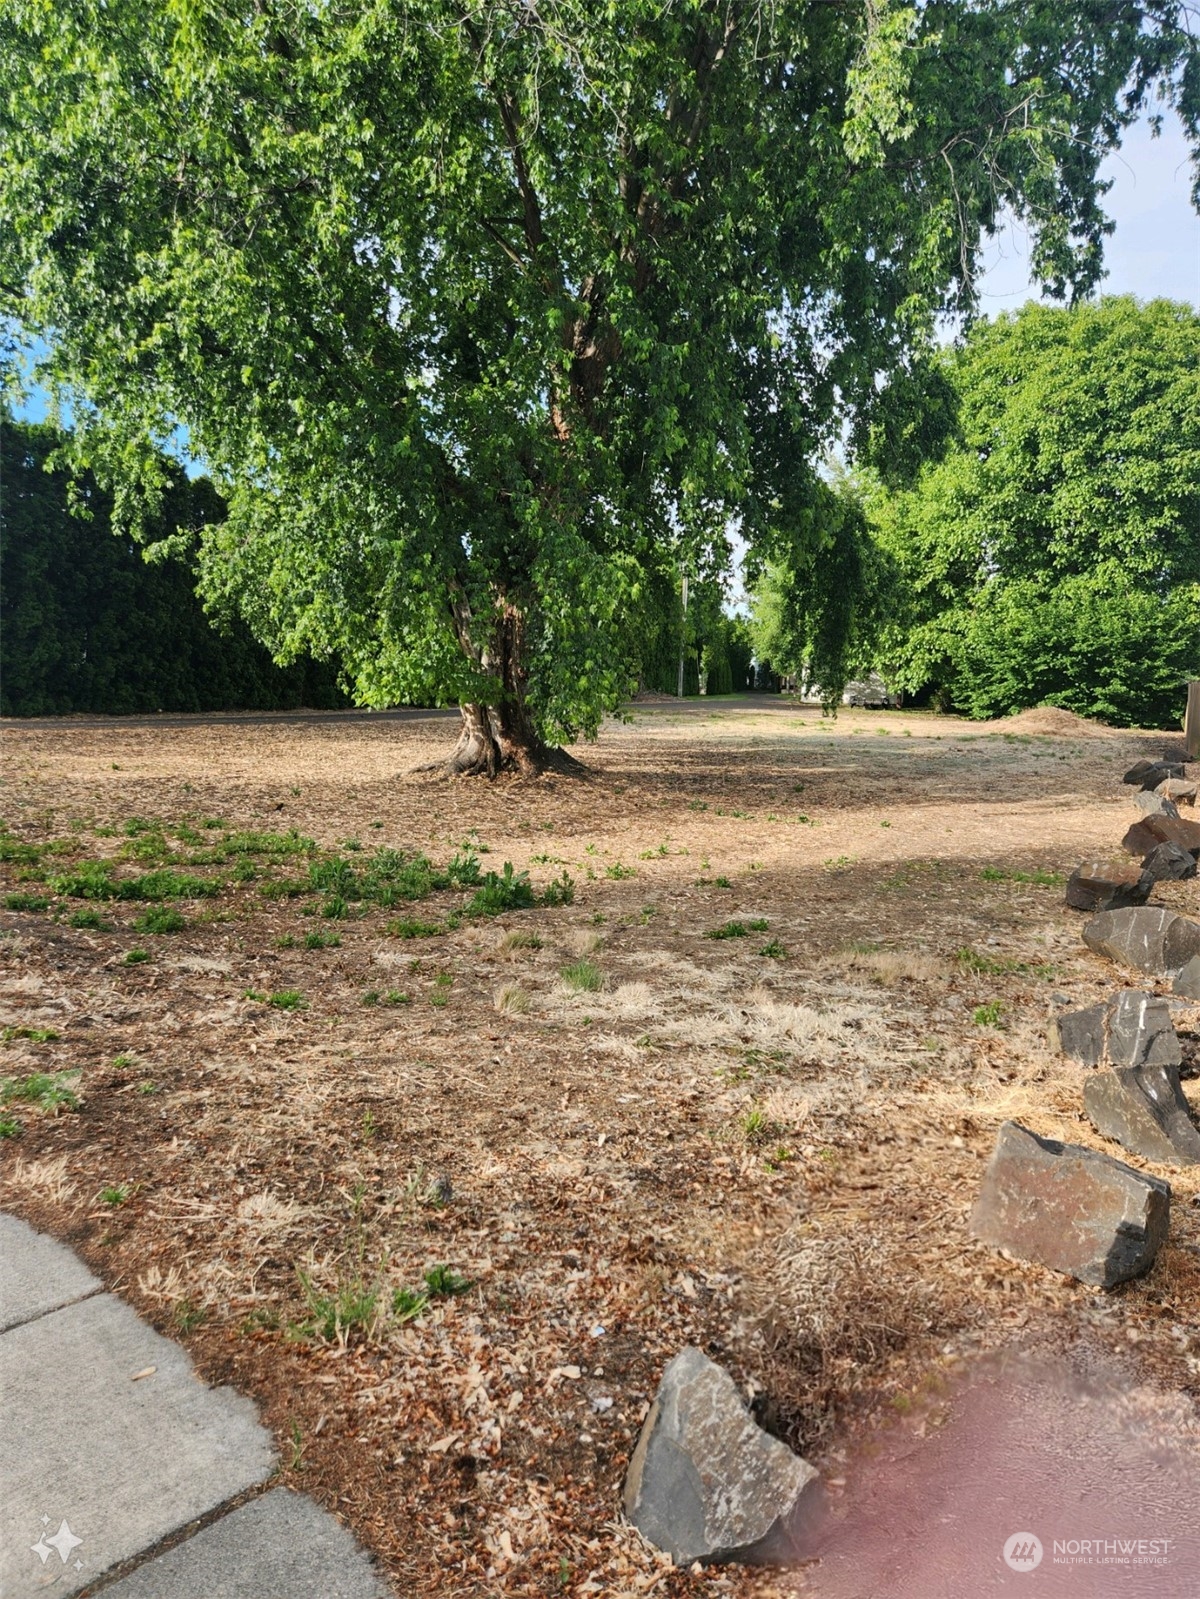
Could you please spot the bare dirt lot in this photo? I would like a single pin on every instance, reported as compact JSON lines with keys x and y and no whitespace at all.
{"x":443,"y":1190}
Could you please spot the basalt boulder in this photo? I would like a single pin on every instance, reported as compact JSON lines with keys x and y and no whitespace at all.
{"x":1103,"y":886}
{"x":1187,"y":979}
{"x":1152,"y":831}
{"x":1143,"y":1108}
{"x":1073,"y":1209}
{"x":1177,"y":790}
{"x":1153,"y":804}
{"x":706,"y":1483}
{"x":1149,"y":774}
{"x":1132,"y":1028}
{"x":1167,"y":863}
{"x":1147,"y":938}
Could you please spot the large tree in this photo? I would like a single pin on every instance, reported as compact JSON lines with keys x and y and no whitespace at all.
{"x":1049,"y":549}
{"x":480,"y":312}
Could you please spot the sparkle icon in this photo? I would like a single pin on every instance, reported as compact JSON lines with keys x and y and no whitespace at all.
{"x":62,"y":1542}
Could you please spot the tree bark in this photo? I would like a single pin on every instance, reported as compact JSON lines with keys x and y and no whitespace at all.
{"x":501,"y":737}
{"x":477,"y":754}
{"x":520,"y":744}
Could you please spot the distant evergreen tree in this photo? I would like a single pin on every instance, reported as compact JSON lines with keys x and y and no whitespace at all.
{"x":87,"y":625}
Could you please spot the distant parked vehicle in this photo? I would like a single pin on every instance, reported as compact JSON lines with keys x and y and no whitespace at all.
{"x":870,"y":691}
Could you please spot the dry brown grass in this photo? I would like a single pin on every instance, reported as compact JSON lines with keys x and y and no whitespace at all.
{"x":893,"y":966}
{"x":833,"y":1308}
{"x":772,"y":1156}
{"x":513,"y":999}
{"x":41,"y":1179}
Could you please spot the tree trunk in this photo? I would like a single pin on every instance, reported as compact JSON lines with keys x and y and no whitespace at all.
{"x":500,"y":737}
{"x":519,"y":741}
{"x":477,"y":753}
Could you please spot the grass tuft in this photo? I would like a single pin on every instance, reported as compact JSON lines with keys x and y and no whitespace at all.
{"x":499,"y":892}
{"x":442,"y":1283}
{"x":89,"y":918}
{"x":45,"y":1090}
{"x":989,"y":1015}
{"x":1039,"y":878}
{"x":160,"y":919}
{"x":410,"y":927}
{"x":33,"y":1035}
{"x":584,"y":976}
{"x":408,"y":1304}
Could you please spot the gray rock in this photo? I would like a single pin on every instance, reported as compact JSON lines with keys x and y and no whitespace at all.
{"x":1081,"y":1034}
{"x":705,"y":1483}
{"x":1132,"y":1028}
{"x":1149,"y":774}
{"x":1138,"y":770}
{"x":1148,"y":939}
{"x":1072,"y":1209}
{"x":1102,"y":886}
{"x":1167,"y":863}
{"x":1187,"y":979}
{"x":1177,"y":790}
{"x":1143,"y":1109}
{"x":1153,"y":804}
{"x":1151,"y":831}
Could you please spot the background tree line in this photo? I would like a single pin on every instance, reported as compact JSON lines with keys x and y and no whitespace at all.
{"x":86,"y":624}
{"x":487,"y":317}
{"x":1021,"y":526}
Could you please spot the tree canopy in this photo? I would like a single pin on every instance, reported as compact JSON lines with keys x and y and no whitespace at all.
{"x":1053,"y":551}
{"x":817,"y":613}
{"x":483,"y":316}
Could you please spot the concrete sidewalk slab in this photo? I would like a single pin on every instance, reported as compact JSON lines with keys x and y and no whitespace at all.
{"x":37,"y":1274}
{"x":282,"y":1546}
{"x":117,"y":1459}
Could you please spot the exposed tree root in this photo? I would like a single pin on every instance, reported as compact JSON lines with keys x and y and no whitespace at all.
{"x":486,"y":749}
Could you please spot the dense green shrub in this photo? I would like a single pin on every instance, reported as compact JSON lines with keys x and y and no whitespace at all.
{"x":1050,"y":550}
{"x":1092,"y":644}
{"x":87,"y":625}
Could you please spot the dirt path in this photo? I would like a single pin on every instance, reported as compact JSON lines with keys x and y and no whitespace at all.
{"x":765,"y":1144}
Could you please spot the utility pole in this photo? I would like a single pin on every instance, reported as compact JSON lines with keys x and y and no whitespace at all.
{"x":683,"y":633}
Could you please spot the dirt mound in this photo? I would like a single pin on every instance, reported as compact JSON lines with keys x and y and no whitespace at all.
{"x":1050,"y":719}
